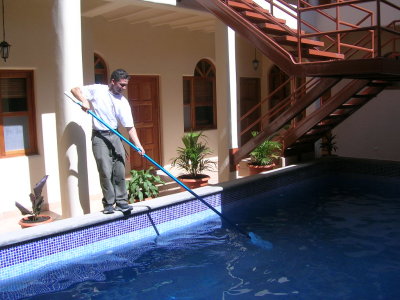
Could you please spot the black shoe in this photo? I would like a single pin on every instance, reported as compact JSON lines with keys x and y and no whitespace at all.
{"x":123,"y":207}
{"x":108,"y":210}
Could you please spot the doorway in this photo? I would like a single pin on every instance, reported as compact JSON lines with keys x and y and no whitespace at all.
{"x":143,"y":97}
{"x":249,"y":98}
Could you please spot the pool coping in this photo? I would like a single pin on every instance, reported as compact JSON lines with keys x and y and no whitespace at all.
{"x":74,"y":223}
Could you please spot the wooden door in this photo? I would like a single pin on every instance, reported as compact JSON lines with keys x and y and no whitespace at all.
{"x":276,"y":80}
{"x":144,"y":99}
{"x":249,"y":97}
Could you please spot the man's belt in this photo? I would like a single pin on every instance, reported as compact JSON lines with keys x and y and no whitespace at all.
{"x":103,"y":132}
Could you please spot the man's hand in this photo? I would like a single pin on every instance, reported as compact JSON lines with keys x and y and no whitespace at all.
{"x":85,"y":105}
{"x":142,"y":152}
{"x":134,"y":137}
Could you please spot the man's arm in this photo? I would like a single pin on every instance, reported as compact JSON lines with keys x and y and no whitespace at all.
{"x":79,"y":96}
{"x":134,"y":137}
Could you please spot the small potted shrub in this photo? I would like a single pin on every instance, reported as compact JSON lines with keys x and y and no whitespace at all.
{"x":192,"y":159}
{"x":328,"y":144}
{"x":143,"y":185}
{"x":264,"y":156}
{"x":35,"y":217}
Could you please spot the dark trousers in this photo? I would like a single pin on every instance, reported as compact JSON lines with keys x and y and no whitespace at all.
{"x":110,"y":158}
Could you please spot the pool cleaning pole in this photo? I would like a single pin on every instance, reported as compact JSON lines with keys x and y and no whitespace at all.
{"x":160,"y":167}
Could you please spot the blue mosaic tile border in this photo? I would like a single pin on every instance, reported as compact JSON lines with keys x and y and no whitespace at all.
{"x":24,"y":257}
{"x":157,"y":220}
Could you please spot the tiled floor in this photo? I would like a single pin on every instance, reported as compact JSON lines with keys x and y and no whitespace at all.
{"x":10,"y":220}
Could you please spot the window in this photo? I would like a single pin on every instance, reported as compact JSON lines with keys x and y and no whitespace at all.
{"x":17,"y":113}
{"x":100,"y":70}
{"x":199,"y":101}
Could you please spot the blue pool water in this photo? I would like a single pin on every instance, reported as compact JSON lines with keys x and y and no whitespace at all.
{"x":333,"y":238}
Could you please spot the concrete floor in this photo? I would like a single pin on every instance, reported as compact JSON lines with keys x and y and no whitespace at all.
{"x":10,"y":220}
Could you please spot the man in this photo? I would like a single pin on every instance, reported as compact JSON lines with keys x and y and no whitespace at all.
{"x":108,"y":103}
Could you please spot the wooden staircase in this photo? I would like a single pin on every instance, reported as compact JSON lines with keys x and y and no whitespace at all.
{"x":271,"y":35}
{"x":307,"y":55}
{"x":336,"y":109}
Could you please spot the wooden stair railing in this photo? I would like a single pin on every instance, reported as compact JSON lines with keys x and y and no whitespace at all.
{"x":284,"y":117}
{"x":269,"y":34}
{"x":336,"y":109}
{"x":333,"y":111}
{"x":314,"y":53}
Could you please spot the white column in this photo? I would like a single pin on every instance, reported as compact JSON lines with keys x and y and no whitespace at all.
{"x":71,"y":137}
{"x":225,"y":53}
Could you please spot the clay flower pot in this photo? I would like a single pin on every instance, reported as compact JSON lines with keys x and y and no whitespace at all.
{"x":192,"y":183}
{"x":26,"y":222}
{"x":256,"y":169}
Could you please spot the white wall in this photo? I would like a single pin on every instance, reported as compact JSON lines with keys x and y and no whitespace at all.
{"x":170,"y":54}
{"x":372,"y":132}
{"x":31,"y":35}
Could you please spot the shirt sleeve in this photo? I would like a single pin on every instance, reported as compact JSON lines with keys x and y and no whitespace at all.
{"x":125,"y":114}
{"x":88,"y":91}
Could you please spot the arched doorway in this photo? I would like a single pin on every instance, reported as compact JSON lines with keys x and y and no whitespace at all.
{"x":100,"y":70}
{"x":199,"y":98}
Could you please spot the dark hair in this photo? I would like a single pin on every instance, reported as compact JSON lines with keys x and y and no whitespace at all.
{"x":119,"y":74}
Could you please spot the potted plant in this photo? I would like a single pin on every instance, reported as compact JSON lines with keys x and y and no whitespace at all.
{"x":264,"y":156}
{"x":328,"y":144}
{"x":35,"y":217}
{"x":143,"y":185}
{"x":192,"y":159}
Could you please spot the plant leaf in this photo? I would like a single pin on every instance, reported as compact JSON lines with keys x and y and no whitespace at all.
{"x":22,"y":209}
{"x":39,"y":186}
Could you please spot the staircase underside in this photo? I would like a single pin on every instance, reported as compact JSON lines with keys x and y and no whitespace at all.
{"x":373,"y":68}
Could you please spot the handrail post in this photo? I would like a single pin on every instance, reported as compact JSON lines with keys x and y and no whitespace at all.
{"x":271,"y":7}
{"x":293,"y":88}
{"x":299,"y":56}
{"x":339,"y":48}
{"x":379,"y":37}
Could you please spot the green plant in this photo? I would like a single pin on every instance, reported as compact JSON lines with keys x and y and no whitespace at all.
{"x":192,"y":157}
{"x":36,"y":200}
{"x":328,"y":143}
{"x":265,"y":153}
{"x":143,"y":184}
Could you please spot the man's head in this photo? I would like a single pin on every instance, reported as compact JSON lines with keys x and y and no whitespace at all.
{"x":119,"y":81}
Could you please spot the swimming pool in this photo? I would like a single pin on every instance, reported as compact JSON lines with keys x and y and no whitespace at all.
{"x":335,"y":236}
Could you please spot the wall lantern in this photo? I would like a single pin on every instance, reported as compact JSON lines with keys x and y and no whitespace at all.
{"x":255,"y":61}
{"x":4,"y":46}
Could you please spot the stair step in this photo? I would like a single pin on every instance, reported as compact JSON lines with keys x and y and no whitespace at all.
{"x":331,"y":122}
{"x":259,"y":17}
{"x":243,"y":6}
{"x":378,"y":83}
{"x":239,"y":5}
{"x":292,"y":40}
{"x":313,"y":53}
{"x":273,"y":29}
{"x":350,"y":106}
{"x":336,"y":115}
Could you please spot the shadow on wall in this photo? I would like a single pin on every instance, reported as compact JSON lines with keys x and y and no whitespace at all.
{"x":75,"y":135}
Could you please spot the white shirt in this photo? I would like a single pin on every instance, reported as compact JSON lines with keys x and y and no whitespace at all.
{"x":112,"y":109}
